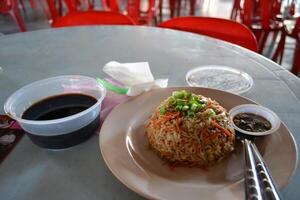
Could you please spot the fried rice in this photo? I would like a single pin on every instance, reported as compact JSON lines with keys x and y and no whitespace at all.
{"x":190,"y":130}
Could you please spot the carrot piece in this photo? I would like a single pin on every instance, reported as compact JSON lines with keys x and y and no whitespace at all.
{"x":177,"y":125}
{"x":147,"y":125}
{"x":225,"y":131}
{"x":169,"y":129}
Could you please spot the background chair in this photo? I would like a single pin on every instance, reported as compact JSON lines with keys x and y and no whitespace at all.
{"x":134,"y":11}
{"x":293,"y":32}
{"x":11,"y":7}
{"x":296,"y":34}
{"x":236,"y":9}
{"x":56,"y":7}
{"x":175,"y":8}
{"x":92,"y":18}
{"x":112,"y":5}
{"x":262,"y":17}
{"x":223,"y":29}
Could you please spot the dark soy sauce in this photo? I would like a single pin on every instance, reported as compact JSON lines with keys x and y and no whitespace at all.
{"x":252,"y":122}
{"x":57,"y":107}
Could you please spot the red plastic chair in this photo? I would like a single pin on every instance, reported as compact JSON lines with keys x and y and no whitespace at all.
{"x":10,"y":7}
{"x":175,"y":8}
{"x":176,"y":5}
{"x":112,"y":5}
{"x":56,"y":7}
{"x":236,"y":9}
{"x":295,"y":34}
{"x":139,"y":16}
{"x":133,"y":10}
{"x":92,"y":18}
{"x":223,"y":29}
{"x":262,"y":18}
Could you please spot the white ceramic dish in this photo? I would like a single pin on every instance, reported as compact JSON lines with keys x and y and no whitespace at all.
{"x":124,"y":148}
{"x":258,"y":110}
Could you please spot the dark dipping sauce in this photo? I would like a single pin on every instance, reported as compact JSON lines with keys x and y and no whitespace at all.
{"x":57,"y":107}
{"x":251,"y":122}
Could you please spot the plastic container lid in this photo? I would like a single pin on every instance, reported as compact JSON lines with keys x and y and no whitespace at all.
{"x":220,"y":77}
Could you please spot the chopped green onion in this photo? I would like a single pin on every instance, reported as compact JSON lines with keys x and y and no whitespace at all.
{"x":172,"y":100}
{"x":201,"y":105}
{"x":179,"y":107}
{"x":180,"y":94}
{"x":180,"y":101}
{"x":194,"y":107}
{"x":191,"y":113}
{"x":186,"y":107}
{"x":186,"y":102}
{"x":189,"y":95}
{"x":211,"y":112}
{"x":162,"y":110}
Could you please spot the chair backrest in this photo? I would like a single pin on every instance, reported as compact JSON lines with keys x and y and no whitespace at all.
{"x":223,"y":29}
{"x":92,"y":18}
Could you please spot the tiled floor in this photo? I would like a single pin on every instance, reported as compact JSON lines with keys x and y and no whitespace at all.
{"x":36,"y":19}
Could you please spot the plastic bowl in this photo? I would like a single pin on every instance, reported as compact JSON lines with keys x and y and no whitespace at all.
{"x":63,"y":132}
{"x":258,"y":110}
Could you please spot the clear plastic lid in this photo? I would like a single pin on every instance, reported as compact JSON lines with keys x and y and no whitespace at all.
{"x":220,"y":77}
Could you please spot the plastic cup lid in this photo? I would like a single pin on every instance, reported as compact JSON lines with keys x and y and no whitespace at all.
{"x":220,"y":77}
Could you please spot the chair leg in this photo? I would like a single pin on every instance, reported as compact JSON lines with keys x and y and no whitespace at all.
{"x":172,"y":6}
{"x":22,"y":5}
{"x":192,"y":7}
{"x":53,"y":11}
{"x":296,"y":64}
{"x":178,"y":8}
{"x":258,"y":34}
{"x":235,"y":9}
{"x":60,"y":8}
{"x":33,"y":4}
{"x":160,"y":8}
{"x":133,"y":10}
{"x":278,"y":54}
{"x":18,"y":19}
{"x":45,"y":9}
{"x":91,"y":4}
{"x":263,"y":40}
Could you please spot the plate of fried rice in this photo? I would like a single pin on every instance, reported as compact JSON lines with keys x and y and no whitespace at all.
{"x":179,"y":143}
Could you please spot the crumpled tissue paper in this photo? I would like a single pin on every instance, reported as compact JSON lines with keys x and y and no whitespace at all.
{"x":137,"y":77}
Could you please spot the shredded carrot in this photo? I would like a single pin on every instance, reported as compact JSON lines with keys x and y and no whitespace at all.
{"x":167,"y":118}
{"x":225,"y":131}
{"x":205,"y":133}
{"x":172,"y":115}
{"x":214,"y":136}
{"x":169,"y":129}
{"x":177,"y":125}
{"x":147,"y":125}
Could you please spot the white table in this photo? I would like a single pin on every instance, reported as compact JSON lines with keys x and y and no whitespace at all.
{"x":30,"y":172}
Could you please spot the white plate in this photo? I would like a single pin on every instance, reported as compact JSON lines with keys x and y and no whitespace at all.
{"x":124,"y":148}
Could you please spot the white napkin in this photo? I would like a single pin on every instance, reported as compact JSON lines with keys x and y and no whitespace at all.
{"x":136,"y":76}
